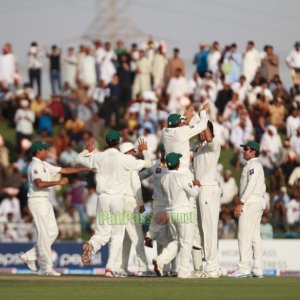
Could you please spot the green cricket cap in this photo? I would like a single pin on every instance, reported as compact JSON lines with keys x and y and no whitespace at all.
{"x":174,"y":119}
{"x":113,"y":135}
{"x":172,"y":159}
{"x":38,"y":146}
{"x":252,"y":144}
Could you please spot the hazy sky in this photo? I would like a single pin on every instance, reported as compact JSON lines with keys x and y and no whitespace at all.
{"x":182,"y":23}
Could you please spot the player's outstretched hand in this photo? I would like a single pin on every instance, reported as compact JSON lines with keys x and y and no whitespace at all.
{"x":142,"y":145}
{"x":64,"y":181}
{"x":90,"y":146}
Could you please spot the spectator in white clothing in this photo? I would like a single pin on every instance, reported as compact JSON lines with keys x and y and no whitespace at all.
{"x":251,"y":62}
{"x":295,"y":143}
{"x":35,"y":67}
{"x":7,"y":66}
{"x":293,"y":212}
{"x":266,"y":229}
{"x":177,"y":87}
{"x":87,"y":70}
{"x":229,"y":187}
{"x":221,"y":132}
{"x":213,"y":58}
{"x":292,"y":123}
{"x":293,"y":62}
{"x":242,"y":88}
{"x":10,"y":204}
{"x":24,"y":120}
{"x":272,"y":143}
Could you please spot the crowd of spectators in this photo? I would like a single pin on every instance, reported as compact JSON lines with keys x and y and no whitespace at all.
{"x":133,"y":89}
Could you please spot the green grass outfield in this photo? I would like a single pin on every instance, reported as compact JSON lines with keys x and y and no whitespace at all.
{"x":99,"y":287}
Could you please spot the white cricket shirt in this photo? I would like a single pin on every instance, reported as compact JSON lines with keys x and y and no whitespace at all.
{"x":38,"y":169}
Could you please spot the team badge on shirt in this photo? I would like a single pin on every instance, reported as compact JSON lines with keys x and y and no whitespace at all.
{"x":35,"y":171}
{"x":158,"y":170}
{"x":251,"y":172}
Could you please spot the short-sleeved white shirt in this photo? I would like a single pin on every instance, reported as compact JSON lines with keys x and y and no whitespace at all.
{"x":38,"y":169}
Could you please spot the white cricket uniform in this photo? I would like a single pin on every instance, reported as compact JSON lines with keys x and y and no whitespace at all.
{"x":42,"y":212}
{"x":177,"y":140}
{"x":179,"y":190}
{"x":205,"y":166}
{"x":111,"y":167}
{"x":133,"y":229}
{"x":252,"y":188}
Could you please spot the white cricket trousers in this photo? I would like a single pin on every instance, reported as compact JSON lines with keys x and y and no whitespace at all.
{"x":183,"y":235}
{"x":109,"y":227}
{"x":209,"y":205}
{"x":47,"y":231}
{"x":133,"y":235}
{"x":249,"y":240}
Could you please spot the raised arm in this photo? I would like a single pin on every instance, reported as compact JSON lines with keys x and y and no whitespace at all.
{"x":143,"y":147}
{"x":190,"y":131}
{"x":86,"y":158}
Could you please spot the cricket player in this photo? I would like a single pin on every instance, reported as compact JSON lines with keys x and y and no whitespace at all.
{"x":249,"y":212}
{"x":133,"y":229}
{"x":111,"y":167}
{"x":158,"y":230}
{"x":205,"y":167}
{"x":40,"y":178}
{"x":176,"y":138}
{"x":179,"y":190}
{"x":178,"y":134}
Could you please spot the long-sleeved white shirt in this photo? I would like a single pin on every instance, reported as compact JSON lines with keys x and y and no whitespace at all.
{"x":252,"y":181}
{"x":205,"y":163}
{"x":177,"y":139}
{"x":112,"y":168}
{"x":179,"y":190}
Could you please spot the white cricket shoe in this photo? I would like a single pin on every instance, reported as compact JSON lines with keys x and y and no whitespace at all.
{"x":51,"y":273}
{"x":239,"y":274}
{"x":172,"y":274}
{"x":122,"y":274}
{"x":111,"y":273}
{"x":191,"y":275}
{"x":205,"y":274}
{"x":30,"y":263}
{"x":158,"y":267}
{"x":147,"y":273}
{"x":257,"y":275}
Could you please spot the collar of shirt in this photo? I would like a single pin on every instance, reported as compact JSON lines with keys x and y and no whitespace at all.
{"x":252,"y":159}
{"x":37,"y":159}
{"x":112,"y":150}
